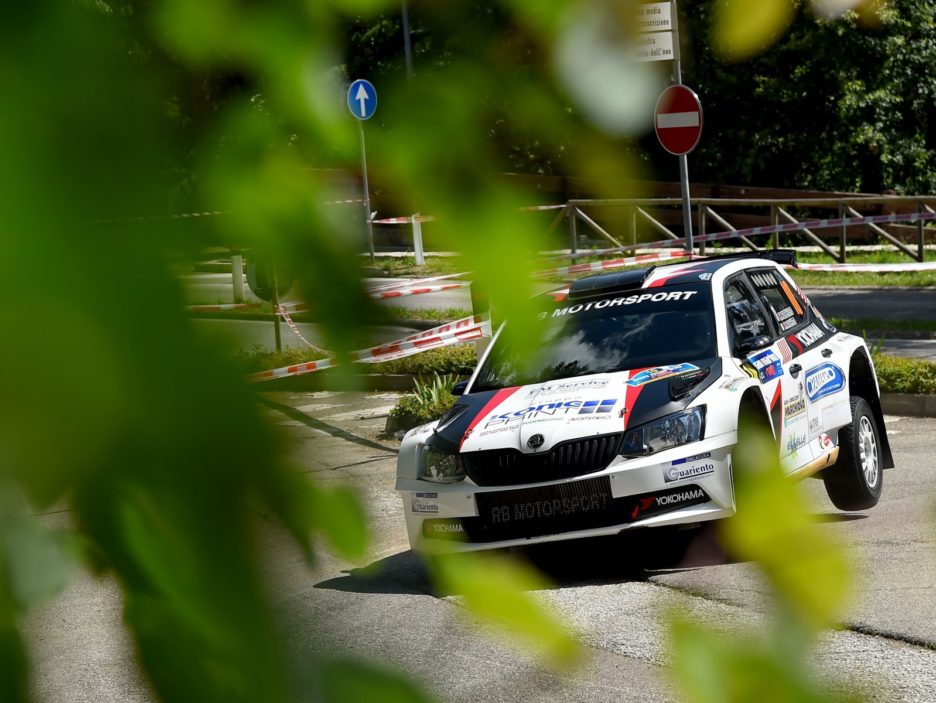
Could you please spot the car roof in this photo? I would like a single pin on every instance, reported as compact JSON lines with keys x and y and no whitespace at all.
{"x":657,"y":276}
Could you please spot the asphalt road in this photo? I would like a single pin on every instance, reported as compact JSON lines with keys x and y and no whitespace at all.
{"x":387,"y":609}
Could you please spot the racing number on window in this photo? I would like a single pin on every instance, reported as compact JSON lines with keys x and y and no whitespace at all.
{"x":779,"y":297}
{"x":744,"y":315}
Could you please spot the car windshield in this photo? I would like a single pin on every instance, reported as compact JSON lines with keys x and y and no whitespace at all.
{"x":616,"y":333}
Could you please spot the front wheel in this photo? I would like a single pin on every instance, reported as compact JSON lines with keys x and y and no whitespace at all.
{"x":854,"y":482}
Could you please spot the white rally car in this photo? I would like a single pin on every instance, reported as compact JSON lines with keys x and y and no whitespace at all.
{"x":627,"y":415}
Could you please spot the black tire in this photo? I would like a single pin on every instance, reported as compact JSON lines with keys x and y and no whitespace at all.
{"x":854,"y":482}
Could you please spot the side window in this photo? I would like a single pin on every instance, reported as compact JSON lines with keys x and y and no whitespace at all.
{"x":778,"y":296}
{"x":744,"y":316}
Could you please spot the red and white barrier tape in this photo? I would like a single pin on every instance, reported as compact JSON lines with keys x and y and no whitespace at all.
{"x":797,"y":227}
{"x":417,"y":282}
{"x":284,"y":313}
{"x":465,"y":330}
{"x":419,"y":291}
{"x":403,"y":220}
{"x":223,"y":307}
{"x":613,"y":263}
{"x":871,"y":268}
{"x":541,"y":208}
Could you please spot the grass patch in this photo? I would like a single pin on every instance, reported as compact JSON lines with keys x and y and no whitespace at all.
{"x":862,"y":325}
{"x":405,"y":266}
{"x":439,"y":314}
{"x":899,"y":375}
{"x":842,"y":278}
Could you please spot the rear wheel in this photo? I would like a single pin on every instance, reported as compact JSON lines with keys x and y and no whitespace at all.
{"x":854,"y":482}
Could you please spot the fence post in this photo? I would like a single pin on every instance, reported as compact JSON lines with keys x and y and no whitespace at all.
{"x":573,"y":231}
{"x":480,"y":304}
{"x":417,"y":240}
{"x":843,"y":235}
{"x":921,"y":244}
{"x":276,"y":316}
{"x":237,"y":275}
{"x":632,"y":223}
{"x":774,"y":221}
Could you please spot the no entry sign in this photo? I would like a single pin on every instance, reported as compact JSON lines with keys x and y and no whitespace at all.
{"x":678,"y":120}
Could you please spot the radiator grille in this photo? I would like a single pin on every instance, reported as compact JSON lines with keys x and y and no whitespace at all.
{"x":506,"y":467}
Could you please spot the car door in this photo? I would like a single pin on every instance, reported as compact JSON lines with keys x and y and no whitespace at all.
{"x":748,"y":324}
{"x":801,"y":343}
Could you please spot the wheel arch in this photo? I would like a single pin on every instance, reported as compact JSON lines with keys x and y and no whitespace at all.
{"x":863,"y":383}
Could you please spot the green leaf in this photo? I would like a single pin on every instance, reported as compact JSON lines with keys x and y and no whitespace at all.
{"x":712,"y":667}
{"x":350,"y":681}
{"x":338,"y":513}
{"x":495,"y":588}
{"x":743,"y":28}
{"x":804,"y":563}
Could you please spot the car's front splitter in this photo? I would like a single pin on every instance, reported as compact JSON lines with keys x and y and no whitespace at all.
{"x":685,"y":485}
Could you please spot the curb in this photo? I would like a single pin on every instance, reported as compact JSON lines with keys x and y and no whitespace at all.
{"x":910,"y":404}
{"x":324,"y":382}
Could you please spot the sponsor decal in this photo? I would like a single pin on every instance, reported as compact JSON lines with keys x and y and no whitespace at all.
{"x":569,"y":387}
{"x":705,"y":276}
{"x":787,"y":324}
{"x":659,"y":373}
{"x":785,"y":314}
{"x":794,"y":407}
{"x":824,"y":380}
{"x":677,"y":498}
{"x":731,"y":384}
{"x":543,"y":410}
{"x":809,"y":335}
{"x":629,"y":300}
{"x":690,"y":467}
{"x":597,"y":406}
{"x":786,"y":354}
{"x":425,"y":503}
{"x":764,"y":280}
{"x":748,"y":369}
{"x":443,"y":528}
{"x":825,"y":442}
{"x":767,"y":365}
{"x":792,"y":298}
{"x":548,"y":508}
{"x":795,"y":442}
{"x":814,"y":426}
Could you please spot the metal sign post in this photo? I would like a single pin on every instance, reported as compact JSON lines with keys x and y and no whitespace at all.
{"x":362,"y":102}
{"x":683,"y":161}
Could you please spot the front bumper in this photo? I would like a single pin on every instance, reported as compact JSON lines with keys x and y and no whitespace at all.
{"x":687,"y":484}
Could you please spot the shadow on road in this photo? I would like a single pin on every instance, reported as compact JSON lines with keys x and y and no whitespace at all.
{"x":309,"y":421}
{"x":838,"y":517}
{"x":400,"y":574}
{"x":629,"y":557}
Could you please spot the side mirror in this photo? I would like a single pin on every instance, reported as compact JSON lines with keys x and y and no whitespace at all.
{"x":459,"y":388}
{"x":748,"y":344}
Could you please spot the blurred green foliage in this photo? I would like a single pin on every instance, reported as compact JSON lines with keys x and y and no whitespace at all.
{"x":810,"y":580}
{"x":114,"y":408}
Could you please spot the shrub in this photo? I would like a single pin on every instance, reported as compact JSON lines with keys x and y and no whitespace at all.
{"x":426,"y":403}
{"x":899,"y":375}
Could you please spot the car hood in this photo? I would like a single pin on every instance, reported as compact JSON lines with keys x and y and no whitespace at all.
{"x":536,"y":417}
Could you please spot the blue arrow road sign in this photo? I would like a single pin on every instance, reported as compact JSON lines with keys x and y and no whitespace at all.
{"x":362,"y":99}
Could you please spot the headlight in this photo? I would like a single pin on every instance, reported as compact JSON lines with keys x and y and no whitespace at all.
{"x":665,"y":433}
{"x":440,"y":467}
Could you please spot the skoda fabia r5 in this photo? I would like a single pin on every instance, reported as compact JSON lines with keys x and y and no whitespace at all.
{"x":627,"y":414}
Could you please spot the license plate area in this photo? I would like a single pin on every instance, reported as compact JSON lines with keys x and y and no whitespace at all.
{"x":546,"y":509}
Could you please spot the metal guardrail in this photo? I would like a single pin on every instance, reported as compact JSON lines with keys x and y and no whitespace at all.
{"x":639,"y":214}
